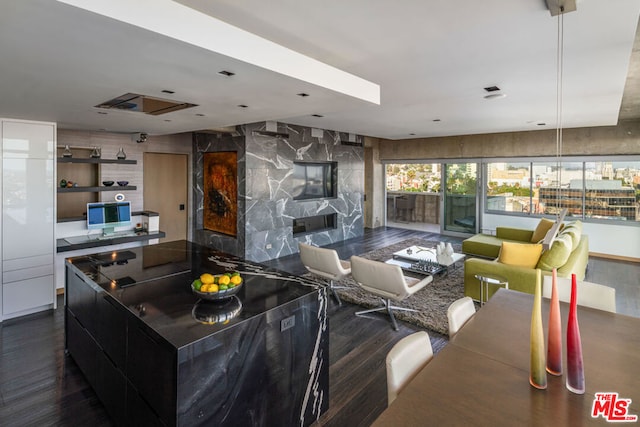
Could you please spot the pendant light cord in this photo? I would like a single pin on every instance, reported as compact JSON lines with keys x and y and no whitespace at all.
{"x":559,"y":69}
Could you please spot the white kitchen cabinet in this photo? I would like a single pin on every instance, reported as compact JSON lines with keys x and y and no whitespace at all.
{"x":28,"y":217}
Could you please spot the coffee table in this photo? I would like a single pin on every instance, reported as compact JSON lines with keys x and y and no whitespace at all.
{"x":423,"y":260}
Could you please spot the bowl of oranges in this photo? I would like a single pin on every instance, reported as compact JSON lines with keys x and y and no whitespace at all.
{"x":217,"y":286}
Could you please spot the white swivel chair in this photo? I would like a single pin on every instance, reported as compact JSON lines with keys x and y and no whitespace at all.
{"x":459,"y":313}
{"x":325,"y":263}
{"x":387,"y":282}
{"x":407,"y":357}
{"x":591,"y":295}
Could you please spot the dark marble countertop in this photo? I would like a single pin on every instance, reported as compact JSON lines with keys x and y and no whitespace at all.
{"x":154,"y":283}
{"x":66,"y":244}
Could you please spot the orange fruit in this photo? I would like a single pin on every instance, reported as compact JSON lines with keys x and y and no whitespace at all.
{"x":224,"y":280}
{"x":236,"y":280}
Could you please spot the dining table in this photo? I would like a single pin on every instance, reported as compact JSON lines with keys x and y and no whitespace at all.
{"x":481,"y":377}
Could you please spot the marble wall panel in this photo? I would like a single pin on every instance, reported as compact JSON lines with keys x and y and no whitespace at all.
{"x":268,"y":208}
{"x":205,"y":143}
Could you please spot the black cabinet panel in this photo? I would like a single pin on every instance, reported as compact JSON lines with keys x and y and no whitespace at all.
{"x":82,"y":348}
{"x":151,"y":368}
{"x":139,"y":413}
{"x":111,"y":388}
{"x":81,"y":300}
{"x":111,"y":328}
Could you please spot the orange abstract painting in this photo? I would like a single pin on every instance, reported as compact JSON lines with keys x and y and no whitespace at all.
{"x":221,"y":192}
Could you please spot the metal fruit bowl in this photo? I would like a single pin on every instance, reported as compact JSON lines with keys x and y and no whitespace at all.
{"x":214,"y":296}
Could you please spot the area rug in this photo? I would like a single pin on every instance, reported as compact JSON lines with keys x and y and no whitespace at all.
{"x":432,"y":301}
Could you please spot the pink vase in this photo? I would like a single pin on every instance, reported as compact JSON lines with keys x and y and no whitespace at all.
{"x":537,"y":373}
{"x":575,"y":366}
{"x":554,"y":335}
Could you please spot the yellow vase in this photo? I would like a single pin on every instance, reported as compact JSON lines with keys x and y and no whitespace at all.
{"x":554,"y":335}
{"x":537,"y":371}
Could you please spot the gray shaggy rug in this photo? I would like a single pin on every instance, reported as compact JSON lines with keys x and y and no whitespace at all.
{"x":432,"y":301}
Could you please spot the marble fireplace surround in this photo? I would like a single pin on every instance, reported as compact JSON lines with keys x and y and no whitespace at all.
{"x":266,"y":208}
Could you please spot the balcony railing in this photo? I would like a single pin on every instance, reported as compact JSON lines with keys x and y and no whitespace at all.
{"x":426,"y":208}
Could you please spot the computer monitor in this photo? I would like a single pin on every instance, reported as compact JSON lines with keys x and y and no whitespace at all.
{"x":108,"y":215}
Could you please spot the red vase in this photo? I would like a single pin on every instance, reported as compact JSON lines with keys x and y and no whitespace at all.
{"x":575,"y":366}
{"x":554,"y":336}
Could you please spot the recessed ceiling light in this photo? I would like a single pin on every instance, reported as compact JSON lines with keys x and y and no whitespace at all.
{"x":226,"y":73}
{"x":412,"y":134}
{"x":492,"y":88}
{"x":495,"y":96}
{"x":317,"y":115}
{"x":243,"y":106}
{"x":437,"y":120}
{"x":542,"y":124}
{"x":302,"y":94}
{"x":104,"y":113}
{"x":167,"y":120}
{"x":199,"y":114}
{"x":167,"y":91}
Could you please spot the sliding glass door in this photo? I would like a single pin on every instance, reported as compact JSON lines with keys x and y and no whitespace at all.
{"x":460,"y":198}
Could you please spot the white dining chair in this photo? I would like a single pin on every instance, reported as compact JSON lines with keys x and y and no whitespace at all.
{"x":325,"y":263}
{"x":459,"y":313}
{"x":406,"y":358}
{"x":589,"y":294}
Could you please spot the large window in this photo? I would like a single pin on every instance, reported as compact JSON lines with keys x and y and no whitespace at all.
{"x":421,"y":177}
{"x":509,"y":187}
{"x":600,"y":190}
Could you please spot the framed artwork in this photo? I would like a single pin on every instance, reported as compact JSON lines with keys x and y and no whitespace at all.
{"x":221,"y":192}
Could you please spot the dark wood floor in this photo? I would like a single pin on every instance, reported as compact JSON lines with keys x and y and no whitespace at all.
{"x":40,"y":386}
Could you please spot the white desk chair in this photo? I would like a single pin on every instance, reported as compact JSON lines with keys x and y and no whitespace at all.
{"x":591,"y":295}
{"x":407,"y":357}
{"x":459,"y":313}
{"x":325,"y":263}
{"x":387,"y":282}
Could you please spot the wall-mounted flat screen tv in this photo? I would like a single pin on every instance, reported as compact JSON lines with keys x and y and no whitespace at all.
{"x":315,"y":180}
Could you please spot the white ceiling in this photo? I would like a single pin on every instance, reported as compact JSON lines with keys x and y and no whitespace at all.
{"x":431,"y":60}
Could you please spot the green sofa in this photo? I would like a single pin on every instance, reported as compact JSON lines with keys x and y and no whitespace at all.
{"x":569,"y":254}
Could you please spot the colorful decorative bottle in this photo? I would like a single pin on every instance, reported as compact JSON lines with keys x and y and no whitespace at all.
{"x":537,"y":372}
{"x":575,"y":367}
{"x":554,"y":335}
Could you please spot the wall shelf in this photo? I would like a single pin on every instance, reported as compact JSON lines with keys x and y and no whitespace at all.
{"x":95,"y":160}
{"x":96,"y":189}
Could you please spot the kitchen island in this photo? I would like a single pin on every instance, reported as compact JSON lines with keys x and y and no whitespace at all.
{"x":158,"y":355}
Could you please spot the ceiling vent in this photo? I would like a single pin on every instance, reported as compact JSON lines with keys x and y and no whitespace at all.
{"x":144,"y":104}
